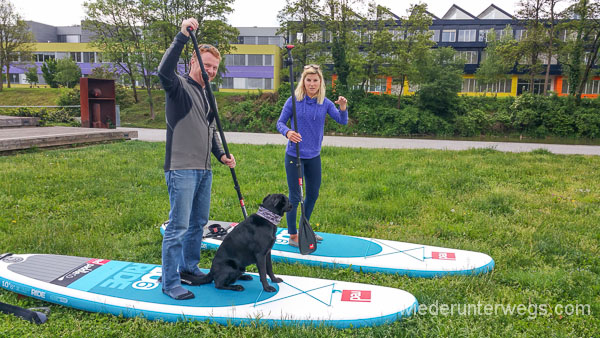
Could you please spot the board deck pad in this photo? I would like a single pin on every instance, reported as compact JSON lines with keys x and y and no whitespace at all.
{"x":132,"y":289}
{"x":371,"y":255}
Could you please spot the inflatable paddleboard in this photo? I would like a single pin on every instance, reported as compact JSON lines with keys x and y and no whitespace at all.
{"x":131,"y":289}
{"x":368,"y":254}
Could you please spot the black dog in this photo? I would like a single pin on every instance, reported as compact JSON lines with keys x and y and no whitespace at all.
{"x":250,"y":242}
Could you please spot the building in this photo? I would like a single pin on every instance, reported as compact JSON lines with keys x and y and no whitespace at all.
{"x":253,"y":65}
{"x":256,"y":60}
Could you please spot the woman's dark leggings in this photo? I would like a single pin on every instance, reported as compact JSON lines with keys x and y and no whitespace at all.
{"x":311,"y":170}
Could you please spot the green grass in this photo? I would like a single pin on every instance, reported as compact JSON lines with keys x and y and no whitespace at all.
{"x":536,"y":214}
{"x":29,"y":96}
{"x":138,"y":115}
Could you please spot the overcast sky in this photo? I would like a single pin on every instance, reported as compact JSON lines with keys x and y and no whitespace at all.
{"x":247,"y":13}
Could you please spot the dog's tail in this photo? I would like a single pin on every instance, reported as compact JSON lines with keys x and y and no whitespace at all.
{"x":206,"y":279}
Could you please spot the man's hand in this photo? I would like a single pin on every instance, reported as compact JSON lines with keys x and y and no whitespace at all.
{"x":191,"y":22}
{"x":230,"y":162}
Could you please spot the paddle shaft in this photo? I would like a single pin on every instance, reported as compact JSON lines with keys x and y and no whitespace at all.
{"x":290,"y":61}
{"x":213,"y":107}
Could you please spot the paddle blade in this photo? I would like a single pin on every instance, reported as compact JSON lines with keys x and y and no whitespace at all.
{"x":307,"y":241}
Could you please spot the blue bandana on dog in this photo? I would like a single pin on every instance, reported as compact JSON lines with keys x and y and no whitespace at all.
{"x":268,"y":215}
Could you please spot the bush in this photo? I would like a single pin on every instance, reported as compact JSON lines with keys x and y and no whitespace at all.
{"x":47,"y":116}
{"x":475,"y":122}
{"x":70,"y":97}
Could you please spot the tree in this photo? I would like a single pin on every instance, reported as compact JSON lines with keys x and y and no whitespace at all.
{"x":212,"y":17}
{"x":532,"y":44}
{"x":133,"y":34}
{"x":302,"y":24}
{"x":113,"y":24}
{"x":32,"y":76}
{"x":67,"y":72}
{"x":413,"y":43}
{"x":105,"y":72}
{"x":499,"y":59}
{"x":579,"y":54}
{"x":375,"y":49}
{"x":15,"y":38}
{"x":441,"y":80}
{"x":343,"y":20}
{"x":549,"y":11}
{"x":49,"y":71}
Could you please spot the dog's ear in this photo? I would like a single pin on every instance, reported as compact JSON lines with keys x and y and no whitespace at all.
{"x":282,"y":202}
{"x":266,"y":198}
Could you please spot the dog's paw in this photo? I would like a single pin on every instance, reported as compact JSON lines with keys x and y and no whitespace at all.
{"x":276,"y":280}
{"x":245,"y":277}
{"x":269,"y":288}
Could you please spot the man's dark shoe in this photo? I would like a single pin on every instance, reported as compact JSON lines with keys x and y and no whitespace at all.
{"x":190,"y":279}
{"x":179,"y":293}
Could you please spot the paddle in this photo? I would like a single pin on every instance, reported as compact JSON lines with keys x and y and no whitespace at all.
{"x":213,"y":108}
{"x":307,"y":241}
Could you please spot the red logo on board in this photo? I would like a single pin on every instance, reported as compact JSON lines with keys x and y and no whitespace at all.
{"x":98,"y":261}
{"x":356,"y":296}
{"x":446,"y":256}
{"x":312,"y":246}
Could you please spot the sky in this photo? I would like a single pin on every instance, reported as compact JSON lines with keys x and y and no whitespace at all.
{"x":247,"y":13}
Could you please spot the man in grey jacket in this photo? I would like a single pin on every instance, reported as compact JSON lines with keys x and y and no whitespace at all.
{"x":191,"y":137}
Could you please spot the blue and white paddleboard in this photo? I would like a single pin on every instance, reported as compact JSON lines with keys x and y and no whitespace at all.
{"x":372,"y":255}
{"x":131,"y":289}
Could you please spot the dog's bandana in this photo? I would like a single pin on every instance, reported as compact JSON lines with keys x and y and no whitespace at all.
{"x":268,"y":215}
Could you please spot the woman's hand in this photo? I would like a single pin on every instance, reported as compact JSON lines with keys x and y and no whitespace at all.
{"x":342,"y":102}
{"x":293,"y":136}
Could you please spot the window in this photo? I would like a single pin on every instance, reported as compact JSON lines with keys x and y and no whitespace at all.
{"x":470,"y":56}
{"x":436,"y":35}
{"x":448,"y":35}
{"x":249,"y":40}
{"x":76,"y":56}
{"x":268,"y":60}
{"x":544,"y":59}
{"x":275,"y":40}
{"x":520,"y":34}
{"x":227,"y":83}
{"x":254,"y":83}
{"x":472,"y":86}
{"x":468,"y":85}
{"x":41,"y":57}
{"x":483,"y":33}
{"x":255,"y":60}
{"x":88,"y":57}
{"x":467,"y":35}
{"x":592,"y":87}
{"x":263,"y":40}
{"x":246,"y":83}
{"x":239,"y":59}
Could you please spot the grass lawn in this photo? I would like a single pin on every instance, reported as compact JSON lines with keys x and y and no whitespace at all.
{"x":536,"y":214}
{"x":29,"y":96}
{"x":138,"y":115}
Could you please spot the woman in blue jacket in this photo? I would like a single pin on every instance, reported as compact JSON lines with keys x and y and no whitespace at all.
{"x":311,"y":108}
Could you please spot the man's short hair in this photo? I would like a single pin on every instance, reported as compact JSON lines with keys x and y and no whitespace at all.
{"x":207,"y":49}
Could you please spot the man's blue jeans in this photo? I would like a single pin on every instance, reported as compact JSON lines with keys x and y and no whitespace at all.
{"x":189,"y":195}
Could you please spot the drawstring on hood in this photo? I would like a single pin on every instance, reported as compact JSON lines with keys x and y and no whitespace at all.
{"x":310,"y":101}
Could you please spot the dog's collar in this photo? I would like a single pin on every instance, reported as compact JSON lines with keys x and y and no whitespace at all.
{"x":268,"y":215}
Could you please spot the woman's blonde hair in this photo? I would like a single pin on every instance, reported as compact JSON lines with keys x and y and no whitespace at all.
{"x":301,"y":92}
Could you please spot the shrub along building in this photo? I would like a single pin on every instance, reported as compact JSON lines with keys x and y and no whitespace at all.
{"x":255,"y":63}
